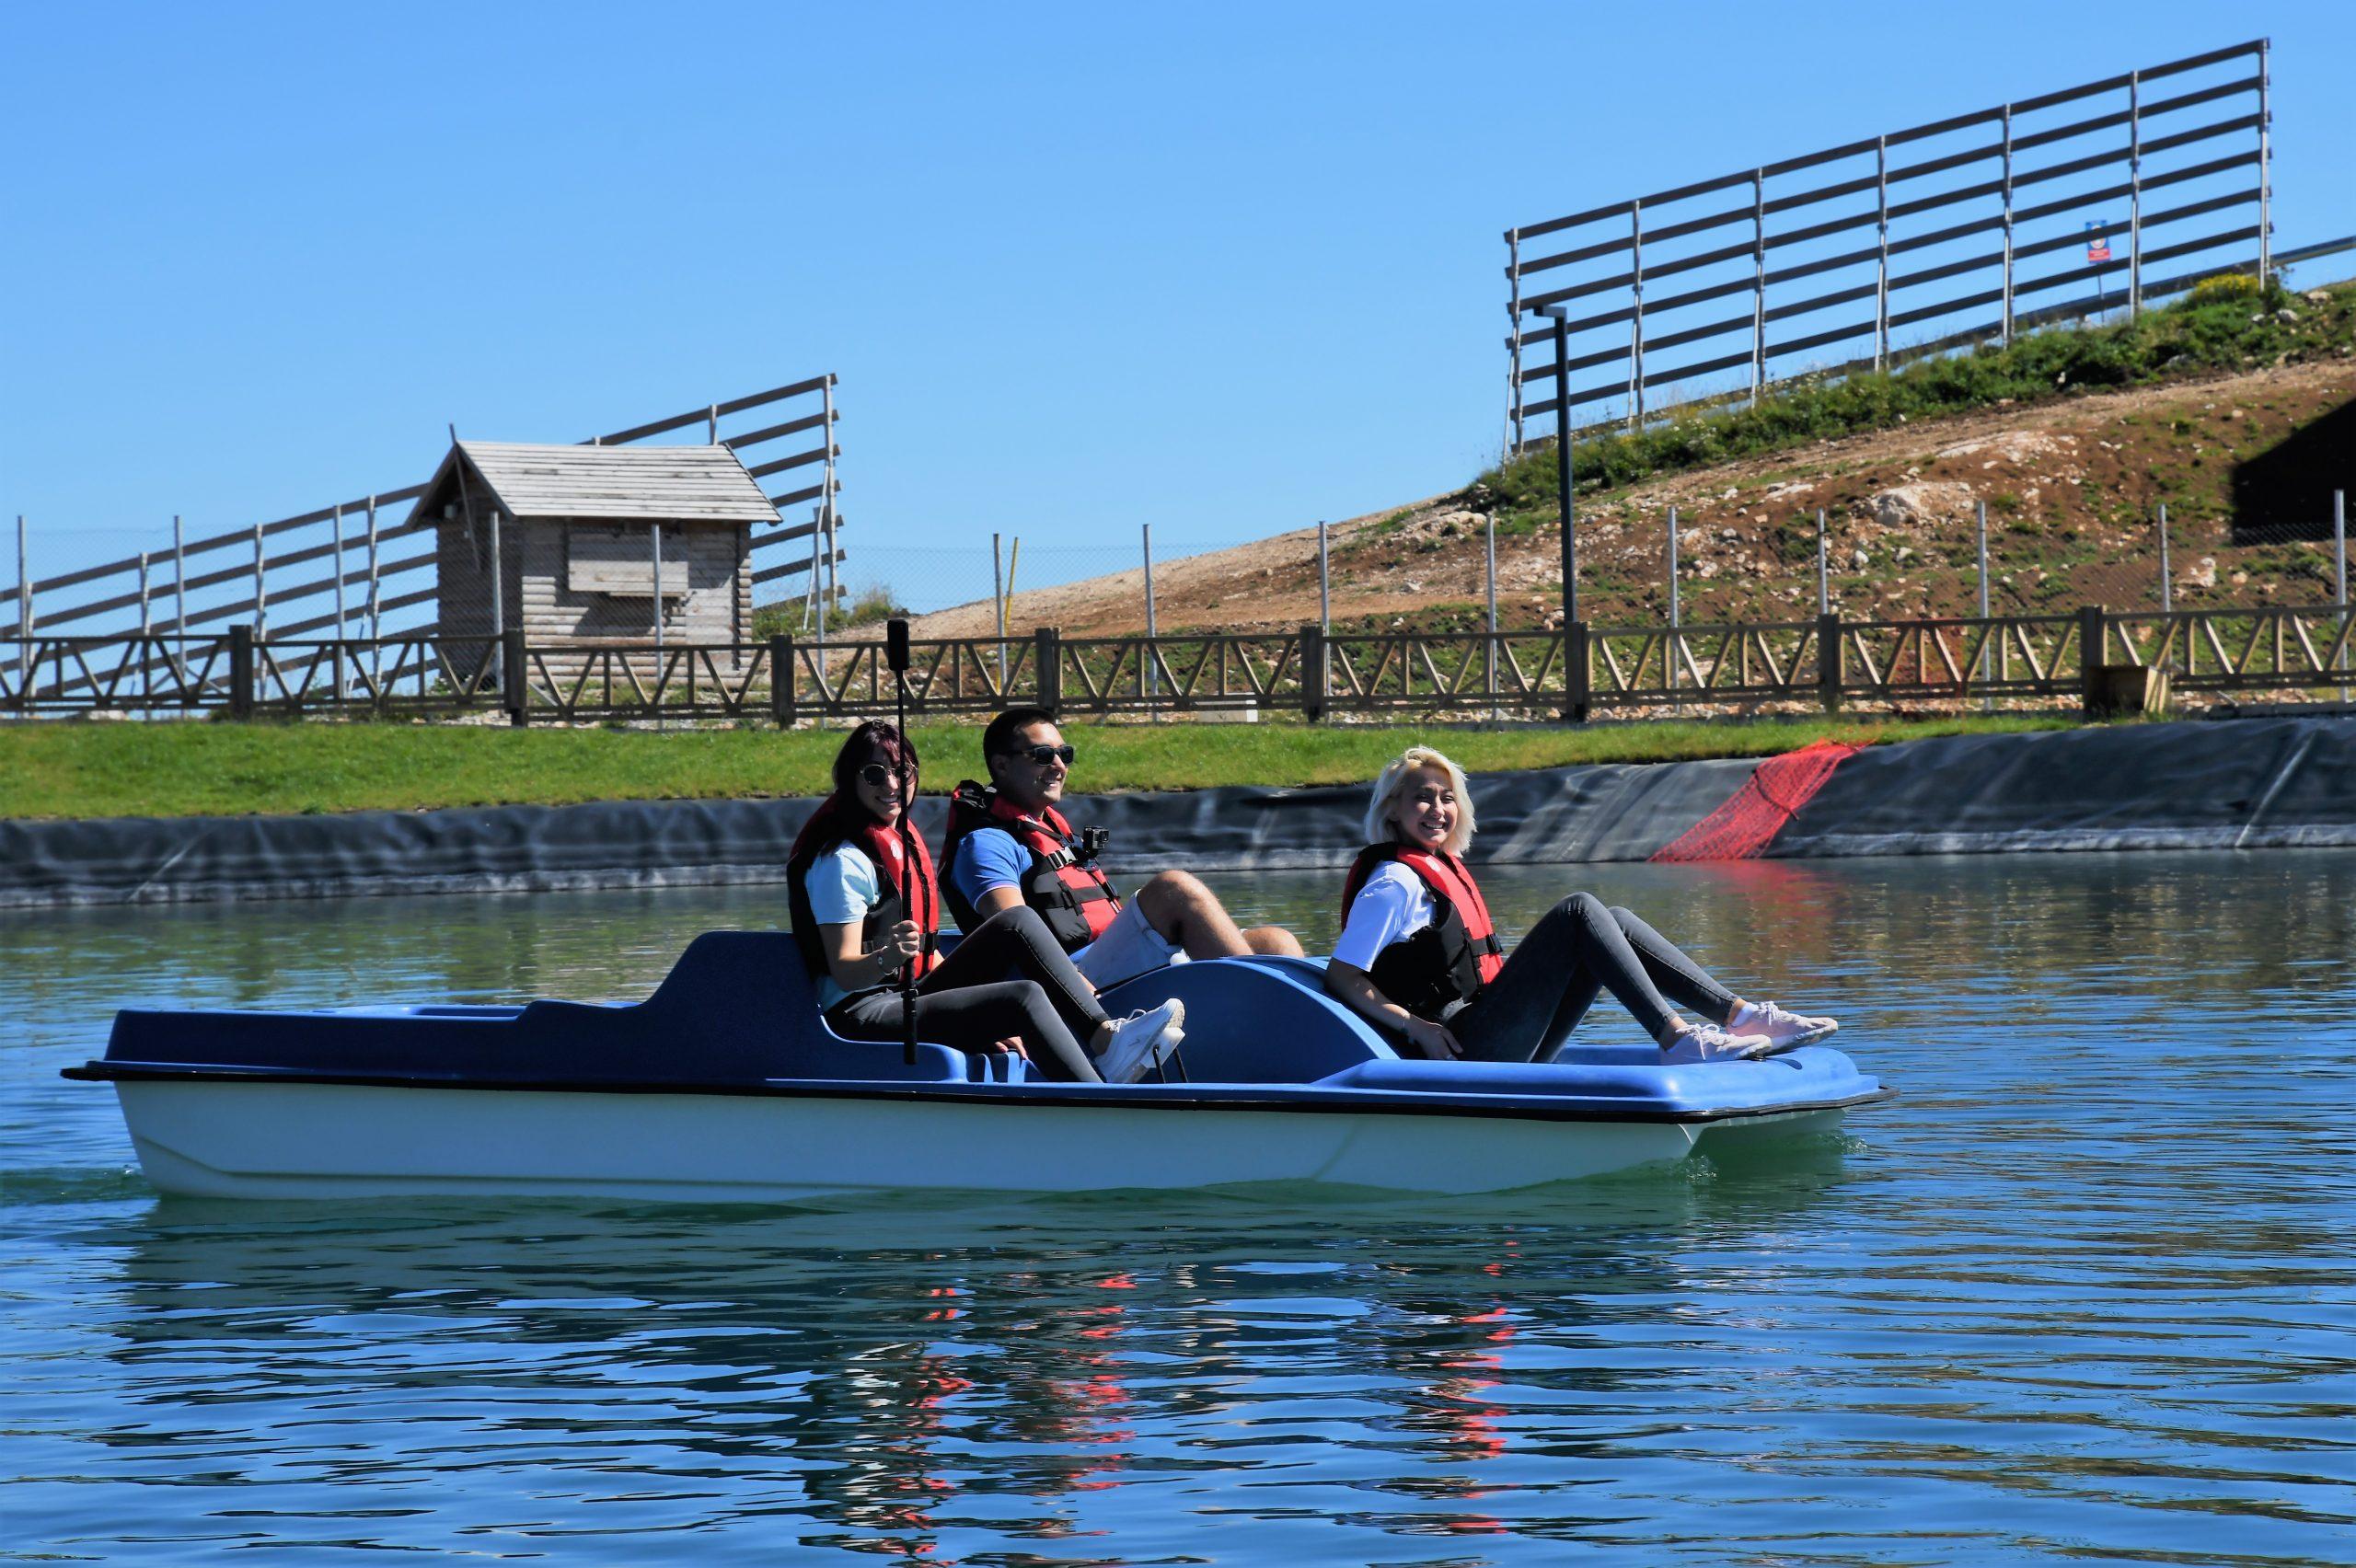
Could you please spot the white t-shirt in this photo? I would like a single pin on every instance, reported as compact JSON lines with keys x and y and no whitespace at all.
{"x":843,"y":887}
{"x":1393,"y":906}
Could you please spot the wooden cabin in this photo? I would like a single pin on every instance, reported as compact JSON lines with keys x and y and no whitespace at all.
{"x":574,"y":530}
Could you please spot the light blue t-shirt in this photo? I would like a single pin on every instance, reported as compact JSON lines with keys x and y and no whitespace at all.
{"x":843,"y":888}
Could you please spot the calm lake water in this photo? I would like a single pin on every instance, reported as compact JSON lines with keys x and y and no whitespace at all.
{"x":2084,"y":1291}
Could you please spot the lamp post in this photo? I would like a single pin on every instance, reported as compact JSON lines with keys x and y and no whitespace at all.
{"x":1562,"y":317}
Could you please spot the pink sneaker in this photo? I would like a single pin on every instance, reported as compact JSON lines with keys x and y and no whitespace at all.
{"x":1787,"y":1030}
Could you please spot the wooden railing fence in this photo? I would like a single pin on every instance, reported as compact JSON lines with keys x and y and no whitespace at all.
{"x":1828,"y":662}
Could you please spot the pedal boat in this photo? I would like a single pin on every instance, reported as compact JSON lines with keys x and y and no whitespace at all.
{"x":727,"y":1085}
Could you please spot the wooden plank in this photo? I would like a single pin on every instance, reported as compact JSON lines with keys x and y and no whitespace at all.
{"x":619,"y":562}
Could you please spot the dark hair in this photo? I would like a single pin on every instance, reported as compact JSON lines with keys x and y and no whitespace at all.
{"x":1000,"y":738}
{"x":873,"y":742}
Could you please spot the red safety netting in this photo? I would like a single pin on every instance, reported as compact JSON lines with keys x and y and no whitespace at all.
{"x":1748,"y":823}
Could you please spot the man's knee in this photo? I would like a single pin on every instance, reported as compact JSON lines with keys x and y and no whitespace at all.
{"x":1274,"y":940}
{"x":1170,"y":898}
{"x":1180,"y":887}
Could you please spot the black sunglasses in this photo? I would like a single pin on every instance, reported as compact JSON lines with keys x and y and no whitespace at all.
{"x":1046,"y":755}
{"x":878,"y":775}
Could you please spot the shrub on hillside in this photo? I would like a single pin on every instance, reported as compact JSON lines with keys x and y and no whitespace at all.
{"x":2227,"y":327}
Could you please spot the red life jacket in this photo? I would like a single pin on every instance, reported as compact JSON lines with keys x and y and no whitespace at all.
{"x":1067,"y":890}
{"x":1437,"y":970}
{"x":906,"y":896}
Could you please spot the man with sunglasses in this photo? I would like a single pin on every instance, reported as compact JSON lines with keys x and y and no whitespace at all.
{"x":1008,"y":845}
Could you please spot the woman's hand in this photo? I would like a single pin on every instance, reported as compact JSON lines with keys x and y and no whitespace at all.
{"x":1432,"y":1039}
{"x":903,"y":944}
{"x":1010,"y":1046}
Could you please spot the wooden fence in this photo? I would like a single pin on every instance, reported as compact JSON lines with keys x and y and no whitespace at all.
{"x":1830,"y":661}
{"x":338,"y":568}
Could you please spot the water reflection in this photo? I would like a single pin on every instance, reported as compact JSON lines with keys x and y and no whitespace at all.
{"x":2082,"y":1291}
{"x":904,"y":1372}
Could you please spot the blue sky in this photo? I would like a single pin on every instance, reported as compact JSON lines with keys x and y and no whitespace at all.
{"x":1224,"y":270}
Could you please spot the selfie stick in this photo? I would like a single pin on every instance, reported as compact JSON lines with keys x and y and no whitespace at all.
{"x":896,"y":655}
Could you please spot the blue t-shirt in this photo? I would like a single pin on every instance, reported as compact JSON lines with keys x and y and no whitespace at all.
{"x":987,"y":858}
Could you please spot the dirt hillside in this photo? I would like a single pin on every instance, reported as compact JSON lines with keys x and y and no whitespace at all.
{"x":2071,"y":486}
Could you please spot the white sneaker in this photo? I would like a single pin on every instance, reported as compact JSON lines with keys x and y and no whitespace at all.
{"x":1786,"y":1029}
{"x":1142,"y":1042}
{"x":1708,"y":1042}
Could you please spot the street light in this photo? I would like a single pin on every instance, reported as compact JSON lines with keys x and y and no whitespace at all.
{"x":1561,"y":315}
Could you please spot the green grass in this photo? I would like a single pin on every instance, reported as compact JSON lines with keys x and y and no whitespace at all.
{"x":222,"y":769}
{"x":2211,"y":330}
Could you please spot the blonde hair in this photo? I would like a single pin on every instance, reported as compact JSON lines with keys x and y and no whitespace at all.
{"x":1379,"y":826}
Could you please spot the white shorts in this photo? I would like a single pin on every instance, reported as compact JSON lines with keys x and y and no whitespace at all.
{"x":1129,"y":947}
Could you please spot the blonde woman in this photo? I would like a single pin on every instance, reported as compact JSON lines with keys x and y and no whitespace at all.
{"x":1420,"y":957}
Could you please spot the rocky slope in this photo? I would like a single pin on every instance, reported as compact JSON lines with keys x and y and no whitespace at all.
{"x":2245,"y":462}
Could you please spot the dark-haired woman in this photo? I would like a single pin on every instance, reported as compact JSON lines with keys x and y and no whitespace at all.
{"x":1419,"y":956}
{"x":866,"y":905}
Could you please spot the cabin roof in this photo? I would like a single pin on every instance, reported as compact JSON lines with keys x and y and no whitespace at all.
{"x":690,"y":484}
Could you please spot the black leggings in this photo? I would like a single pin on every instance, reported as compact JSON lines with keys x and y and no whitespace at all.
{"x":968,"y":1003}
{"x":1577,"y":951}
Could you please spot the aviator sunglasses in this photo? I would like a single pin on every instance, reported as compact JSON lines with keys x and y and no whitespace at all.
{"x":878,"y":774}
{"x":1042,"y":755}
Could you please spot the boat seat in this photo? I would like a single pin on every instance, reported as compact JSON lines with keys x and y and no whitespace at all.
{"x":737,"y":1007}
{"x":1257,"y":1019}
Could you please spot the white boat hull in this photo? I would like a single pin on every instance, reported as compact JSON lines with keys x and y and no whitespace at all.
{"x":309,"y":1140}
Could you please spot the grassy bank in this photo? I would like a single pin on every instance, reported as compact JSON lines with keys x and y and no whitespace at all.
{"x":218,"y":769}
{"x":2226,"y":324}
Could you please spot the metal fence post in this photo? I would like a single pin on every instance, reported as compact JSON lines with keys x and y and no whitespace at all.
{"x":1324,"y":607}
{"x":24,"y":619}
{"x":2265,"y":162}
{"x":1324,"y":582}
{"x":2167,"y":589}
{"x":335,"y":558}
{"x":179,"y":608}
{"x":499,"y":596}
{"x":262,"y":595}
{"x":1674,"y":606}
{"x":1151,"y":685}
{"x":147,"y":622}
{"x":1561,"y":316}
{"x":781,"y":704}
{"x":514,"y":688}
{"x":1578,"y":693}
{"x":2339,"y":577}
{"x":1979,"y":661}
{"x":1824,"y":569}
{"x":2008,"y":225}
{"x":1758,"y":283}
{"x":1489,"y":643}
{"x":376,"y":606}
{"x":1829,"y":661}
{"x":997,"y":603}
{"x":1312,"y":673}
{"x":2134,"y":196}
{"x":1048,"y":655}
{"x":1636,"y":317}
{"x":1513,"y":334}
{"x":241,"y":671}
{"x":1881,"y":263}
